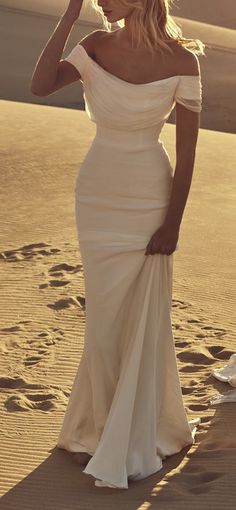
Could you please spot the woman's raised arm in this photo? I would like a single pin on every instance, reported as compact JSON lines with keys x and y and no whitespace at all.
{"x":45,"y":73}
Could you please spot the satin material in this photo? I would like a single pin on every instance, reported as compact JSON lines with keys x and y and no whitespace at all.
{"x":126,"y":407}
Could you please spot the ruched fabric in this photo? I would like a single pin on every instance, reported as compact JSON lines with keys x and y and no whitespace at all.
{"x":189,"y":93}
{"x":79,"y":58}
{"x":125,"y":407}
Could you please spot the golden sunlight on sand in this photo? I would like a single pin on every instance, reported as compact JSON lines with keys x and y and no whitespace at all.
{"x":43,"y":317}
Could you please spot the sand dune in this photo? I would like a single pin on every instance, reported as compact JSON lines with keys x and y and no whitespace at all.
{"x":43,"y":309}
{"x":214,"y":12}
{"x":24,"y":34}
{"x":214,"y":37}
{"x":53,"y":8}
{"x":219,"y":83}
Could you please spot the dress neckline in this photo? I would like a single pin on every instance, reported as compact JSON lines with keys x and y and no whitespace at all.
{"x":113,"y":76}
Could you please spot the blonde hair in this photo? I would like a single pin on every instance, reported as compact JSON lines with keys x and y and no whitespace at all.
{"x":152,"y":25}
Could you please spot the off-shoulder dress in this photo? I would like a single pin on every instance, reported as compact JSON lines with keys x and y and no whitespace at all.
{"x":125,"y":407}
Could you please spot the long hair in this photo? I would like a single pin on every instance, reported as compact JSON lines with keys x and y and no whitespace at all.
{"x":152,"y":25}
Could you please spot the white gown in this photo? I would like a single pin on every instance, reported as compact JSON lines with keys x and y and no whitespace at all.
{"x":126,"y":407}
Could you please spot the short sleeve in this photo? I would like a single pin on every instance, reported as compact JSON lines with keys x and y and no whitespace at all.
{"x":189,"y":92}
{"x":78,"y":57}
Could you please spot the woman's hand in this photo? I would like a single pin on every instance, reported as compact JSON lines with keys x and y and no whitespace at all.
{"x":164,"y":241}
{"x":73,"y":9}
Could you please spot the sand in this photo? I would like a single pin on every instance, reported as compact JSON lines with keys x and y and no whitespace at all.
{"x":215,"y":12}
{"x":43,"y":318}
{"x":219,"y":83}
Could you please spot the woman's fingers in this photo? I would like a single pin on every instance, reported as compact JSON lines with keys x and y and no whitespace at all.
{"x":163,"y":242}
{"x":157,"y":246}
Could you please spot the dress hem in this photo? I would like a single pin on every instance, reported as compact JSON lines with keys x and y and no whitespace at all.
{"x":100,"y":482}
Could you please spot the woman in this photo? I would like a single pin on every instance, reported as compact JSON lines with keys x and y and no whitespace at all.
{"x":125,"y":411}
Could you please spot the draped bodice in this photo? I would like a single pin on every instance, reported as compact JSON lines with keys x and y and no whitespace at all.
{"x":129,"y":109}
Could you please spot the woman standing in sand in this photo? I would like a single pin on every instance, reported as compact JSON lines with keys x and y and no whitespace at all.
{"x":125,"y":410}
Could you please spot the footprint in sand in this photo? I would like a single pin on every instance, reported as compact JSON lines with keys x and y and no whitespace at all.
{"x":202,"y":355}
{"x":191,"y":368}
{"x":32,"y":395}
{"x":177,"y":303}
{"x":182,"y":344}
{"x":60,"y":271}
{"x":48,"y":340}
{"x":81,"y":300}
{"x":41,"y":347}
{"x":10,"y":337}
{"x":68,"y":302}
{"x":186,"y":390}
{"x":193,"y":320}
{"x":63,"y":267}
{"x":36,"y":401}
{"x":187,"y":333}
{"x":185,"y":323}
{"x":54,"y":283}
{"x":219,"y":352}
{"x":196,"y":356}
{"x":28,"y":252}
{"x":8,"y":382}
{"x":209,"y":332}
{"x":47,"y":334}
{"x":30,"y":361}
{"x":195,"y":388}
{"x":7,"y":343}
{"x":206,"y":419}
{"x":198,"y":407}
{"x":12,"y":329}
{"x":213,"y":329}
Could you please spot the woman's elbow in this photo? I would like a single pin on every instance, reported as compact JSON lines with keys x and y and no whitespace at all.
{"x":37,"y":91}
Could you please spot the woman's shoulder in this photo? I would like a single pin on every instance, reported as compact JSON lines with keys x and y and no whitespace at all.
{"x":91,"y":40}
{"x":187,"y":62}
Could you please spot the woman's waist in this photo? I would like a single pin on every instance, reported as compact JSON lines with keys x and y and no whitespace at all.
{"x":129,"y":140}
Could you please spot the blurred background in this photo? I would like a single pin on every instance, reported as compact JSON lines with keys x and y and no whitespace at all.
{"x":26,"y":26}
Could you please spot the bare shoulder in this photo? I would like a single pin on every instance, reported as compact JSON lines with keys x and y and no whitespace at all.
{"x":90,"y":41}
{"x":186,"y":61}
